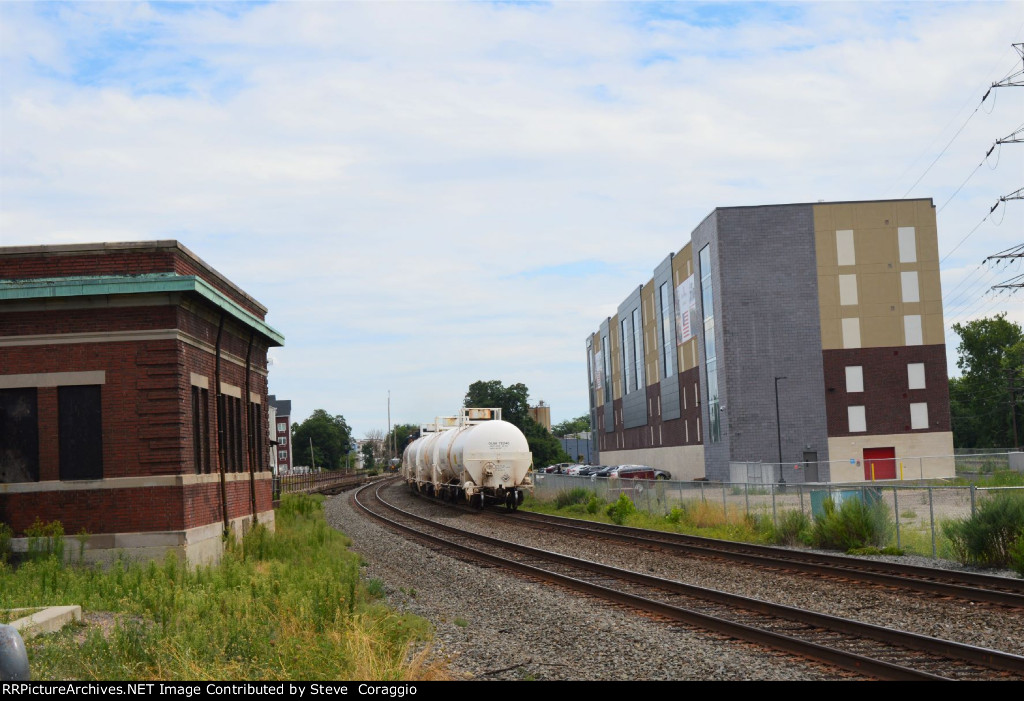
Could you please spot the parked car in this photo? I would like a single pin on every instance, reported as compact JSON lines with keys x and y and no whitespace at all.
{"x":662,"y":475}
{"x":575,"y":469}
{"x":557,"y":469}
{"x":635,"y":472}
{"x":603,"y":470}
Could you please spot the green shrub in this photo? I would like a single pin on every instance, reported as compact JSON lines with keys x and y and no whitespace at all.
{"x":986,"y":538}
{"x":793,"y":527}
{"x":576,"y":495}
{"x":853,"y":525}
{"x":45,"y":539}
{"x":594,"y":505}
{"x":5,"y":542}
{"x":1017,"y":556}
{"x":620,"y":509}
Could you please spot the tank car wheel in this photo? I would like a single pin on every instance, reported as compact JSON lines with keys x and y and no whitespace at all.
{"x":476,"y":501}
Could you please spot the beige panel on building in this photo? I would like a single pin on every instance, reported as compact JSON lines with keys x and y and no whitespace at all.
{"x":894,"y":243}
{"x":652,"y":344}
{"x":683,"y":463}
{"x":918,"y":455}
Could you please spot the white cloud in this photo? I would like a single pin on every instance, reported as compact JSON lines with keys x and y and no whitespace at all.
{"x":378,"y":174}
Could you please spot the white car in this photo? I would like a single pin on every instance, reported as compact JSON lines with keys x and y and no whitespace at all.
{"x":574,"y":469}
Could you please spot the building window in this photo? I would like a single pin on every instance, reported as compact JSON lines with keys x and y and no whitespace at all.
{"x":19,"y":435}
{"x":667,"y":338}
{"x":844,"y":248}
{"x":231,"y":432}
{"x":847,"y":290}
{"x":606,"y":357}
{"x":854,"y":378}
{"x":282,"y":427}
{"x":256,"y":439}
{"x":623,"y":345}
{"x":710,"y":353}
{"x":919,"y":415}
{"x":855,"y":414}
{"x":638,"y":350}
{"x":281,"y":440}
{"x":851,"y":333}
{"x":201,"y":429}
{"x":908,"y":244}
{"x":282,"y":455}
{"x":915,"y":375}
{"x":908,"y":284}
{"x":80,"y":432}
{"x":912,"y":330}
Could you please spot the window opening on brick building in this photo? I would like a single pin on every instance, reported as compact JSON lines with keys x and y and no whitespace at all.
{"x":256,"y":439}
{"x":201,"y":429}
{"x":19,"y":435}
{"x":80,"y":430}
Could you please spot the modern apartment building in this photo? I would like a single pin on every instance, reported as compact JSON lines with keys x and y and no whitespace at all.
{"x":803,"y":342}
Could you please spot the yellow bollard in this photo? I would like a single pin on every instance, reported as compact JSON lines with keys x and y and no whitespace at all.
{"x":872,"y":471}
{"x":901,"y":470}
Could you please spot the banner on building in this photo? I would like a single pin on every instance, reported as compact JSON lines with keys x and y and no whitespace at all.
{"x":598,"y":370}
{"x":686,"y":311}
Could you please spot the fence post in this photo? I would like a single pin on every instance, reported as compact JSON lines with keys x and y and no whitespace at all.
{"x":896,"y":508}
{"x":800,"y":488}
{"x":775,"y":520}
{"x":931,"y":517}
{"x":746,"y":496}
{"x":725,"y":506}
{"x":701,"y":491}
{"x":972,"y":501}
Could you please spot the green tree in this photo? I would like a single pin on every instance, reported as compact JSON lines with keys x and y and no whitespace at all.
{"x":986,"y":400}
{"x":515,"y":408}
{"x":400,"y":436}
{"x":581,"y":424}
{"x":330,"y":436}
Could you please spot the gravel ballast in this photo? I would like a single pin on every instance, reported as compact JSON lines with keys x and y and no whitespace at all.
{"x":491,"y":625}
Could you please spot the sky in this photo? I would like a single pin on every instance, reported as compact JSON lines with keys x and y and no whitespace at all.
{"x":427,"y":194}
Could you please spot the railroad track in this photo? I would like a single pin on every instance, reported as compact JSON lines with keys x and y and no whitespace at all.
{"x":858,"y":647}
{"x":949,"y":583}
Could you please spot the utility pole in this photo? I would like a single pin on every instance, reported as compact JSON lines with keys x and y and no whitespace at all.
{"x":389,"y":439}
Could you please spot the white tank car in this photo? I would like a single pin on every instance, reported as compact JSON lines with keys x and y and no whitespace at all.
{"x":480,"y":459}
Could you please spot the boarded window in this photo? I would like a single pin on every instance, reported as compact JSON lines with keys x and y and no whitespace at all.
{"x":257,"y":442}
{"x":19,"y":435}
{"x":80,"y":427}
{"x":201,"y":429}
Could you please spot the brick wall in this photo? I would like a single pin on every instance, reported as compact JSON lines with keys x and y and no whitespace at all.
{"x":886,"y":397}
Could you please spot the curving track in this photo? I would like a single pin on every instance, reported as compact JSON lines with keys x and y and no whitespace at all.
{"x":858,"y":647}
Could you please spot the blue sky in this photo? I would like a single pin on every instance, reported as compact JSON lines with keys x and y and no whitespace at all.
{"x":429,"y":194}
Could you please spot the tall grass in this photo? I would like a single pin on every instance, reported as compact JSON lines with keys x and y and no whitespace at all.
{"x":283,"y":605}
{"x":854,"y":525}
{"x":989,"y":537}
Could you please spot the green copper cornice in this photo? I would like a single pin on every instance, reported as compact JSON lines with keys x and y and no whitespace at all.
{"x":150,"y":283}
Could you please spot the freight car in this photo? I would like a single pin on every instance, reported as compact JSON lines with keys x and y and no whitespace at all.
{"x":474,"y":457}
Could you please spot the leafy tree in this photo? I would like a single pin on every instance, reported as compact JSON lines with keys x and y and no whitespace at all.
{"x":330,"y":436}
{"x":581,"y":424}
{"x":515,"y":408}
{"x":986,"y":399}
{"x":400,"y":436}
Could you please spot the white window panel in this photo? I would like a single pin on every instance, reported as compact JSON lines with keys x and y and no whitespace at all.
{"x":848,"y":289}
{"x":908,"y":283}
{"x":854,"y":378}
{"x":912,"y":330}
{"x":858,"y":424}
{"x":851,"y":333}
{"x":844,"y":247}
{"x":908,"y":244}
{"x":915,"y":375}
{"x":919,"y":415}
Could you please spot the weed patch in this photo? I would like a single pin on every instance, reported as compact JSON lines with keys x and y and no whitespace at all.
{"x":988,"y":537}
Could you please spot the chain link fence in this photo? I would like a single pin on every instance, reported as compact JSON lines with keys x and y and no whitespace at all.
{"x":918,"y":510}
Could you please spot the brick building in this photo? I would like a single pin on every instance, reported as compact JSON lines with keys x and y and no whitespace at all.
{"x":831,"y":312}
{"x":283,"y":428}
{"x":133,"y":395}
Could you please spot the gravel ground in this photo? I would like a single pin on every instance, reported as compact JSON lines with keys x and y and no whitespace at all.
{"x":988,"y":626}
{"x":490,"y":625}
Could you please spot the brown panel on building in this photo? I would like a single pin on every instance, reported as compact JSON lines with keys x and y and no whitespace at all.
{"x":886,"y":397}
{"x":666,"y":434}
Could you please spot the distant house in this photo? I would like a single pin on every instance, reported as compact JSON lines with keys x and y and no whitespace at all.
{"x":133,"y":394}
{"x":283,"y":427}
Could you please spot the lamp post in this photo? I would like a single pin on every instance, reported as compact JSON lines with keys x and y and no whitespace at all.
{"x":778,"y":427}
